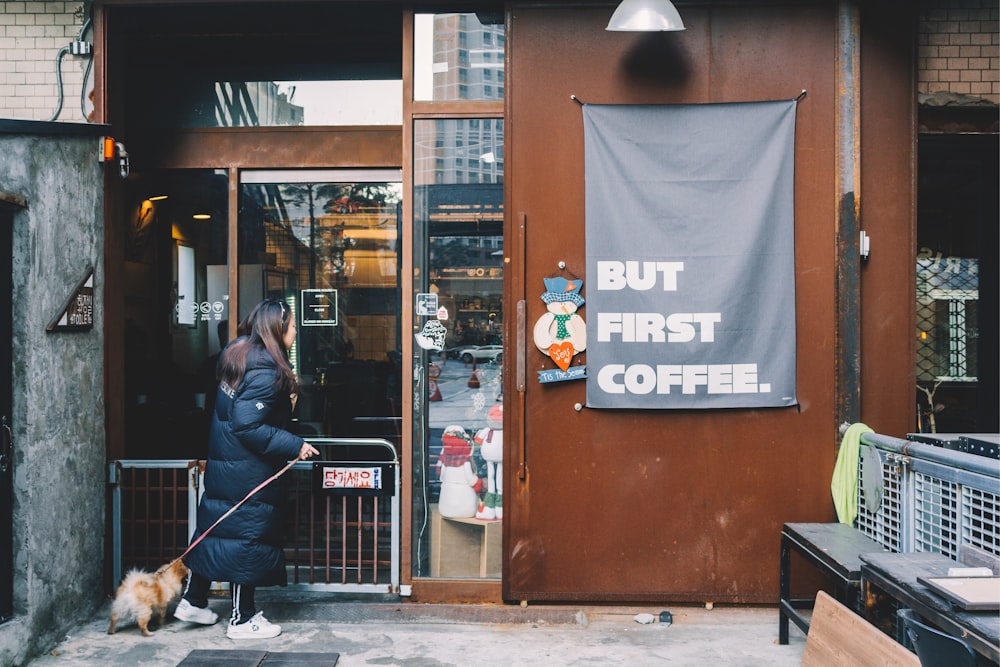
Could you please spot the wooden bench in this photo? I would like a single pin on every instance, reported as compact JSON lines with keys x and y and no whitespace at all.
{"x":838,"y":637}
{"x":833,"y":548}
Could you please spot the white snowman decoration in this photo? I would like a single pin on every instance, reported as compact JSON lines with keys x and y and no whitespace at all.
{"x":490,"y":441}
{"x":561,"y":333}
{"x":460,"y":484}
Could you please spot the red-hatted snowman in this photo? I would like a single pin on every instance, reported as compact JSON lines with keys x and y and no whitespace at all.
{"x":490,"y":441}
{"x":460,"y":485}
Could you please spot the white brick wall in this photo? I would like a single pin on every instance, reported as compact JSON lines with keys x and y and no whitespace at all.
{"x":959,"y":49}
{"x":31,"y":34}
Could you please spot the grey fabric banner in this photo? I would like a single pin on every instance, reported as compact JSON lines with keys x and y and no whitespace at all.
{"x":690,"y":282}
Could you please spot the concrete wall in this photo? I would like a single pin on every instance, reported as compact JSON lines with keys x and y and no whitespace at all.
{"x":58,"y":380}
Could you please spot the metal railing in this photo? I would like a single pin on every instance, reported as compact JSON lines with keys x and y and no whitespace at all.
{"x":919,"y":497}
{"x":342,"y":538}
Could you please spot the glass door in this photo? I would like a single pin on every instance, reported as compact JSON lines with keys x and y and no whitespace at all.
{"x":327,"y":242}
{"x":459,"y":351}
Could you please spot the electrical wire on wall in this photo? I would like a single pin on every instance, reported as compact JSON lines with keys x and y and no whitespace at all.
{"x":76,"y":48}
{"x":59,"y":84}
{"x":84,"y":87}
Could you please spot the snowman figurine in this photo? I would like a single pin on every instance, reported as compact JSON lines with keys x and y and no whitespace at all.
{"x":460,"y":485}
{"x":561,"y":332}
{"x":490,"y":441}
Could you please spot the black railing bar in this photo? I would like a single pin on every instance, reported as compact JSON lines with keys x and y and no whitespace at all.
{"x":360,"y":532}
{"x":153,"y":463}
{"x":343,"y":538}
{"x":380,"y":442}
{"x":328,"y":523}
{"x":375,"y":539}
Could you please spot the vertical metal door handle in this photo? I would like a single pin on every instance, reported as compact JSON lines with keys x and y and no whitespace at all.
{"x":519,"y":378}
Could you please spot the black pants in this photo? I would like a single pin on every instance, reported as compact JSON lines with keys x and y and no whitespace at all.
{"x":197,"y":589}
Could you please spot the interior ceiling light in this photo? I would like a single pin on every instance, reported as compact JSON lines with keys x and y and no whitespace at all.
{"x":158,"y":198}
{"x":201,"y":216}
{"x":645,"y":16}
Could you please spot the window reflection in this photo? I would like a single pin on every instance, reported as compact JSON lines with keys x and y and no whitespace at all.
{"x":330,"y":249}
{"x":175,"y":308}
{"x":283,"y":103}
{"x":458,"y":57}
{"x":458,"y":236}
{"x":308,"y":64}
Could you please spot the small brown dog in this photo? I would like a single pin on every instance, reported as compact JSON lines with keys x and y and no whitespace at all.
{"x":143,"y":596}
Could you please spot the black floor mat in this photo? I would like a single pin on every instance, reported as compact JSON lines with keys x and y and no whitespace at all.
{"x":254,"y":658}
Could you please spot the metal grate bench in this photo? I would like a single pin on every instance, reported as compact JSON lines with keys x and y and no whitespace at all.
{"x":834,"y":549}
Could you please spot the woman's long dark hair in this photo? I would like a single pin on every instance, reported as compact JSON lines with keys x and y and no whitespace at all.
{"x":265,"y":327}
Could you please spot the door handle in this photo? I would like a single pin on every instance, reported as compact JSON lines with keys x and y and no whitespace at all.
{"x":520,"y":379}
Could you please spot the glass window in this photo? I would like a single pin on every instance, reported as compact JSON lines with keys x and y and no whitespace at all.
{"x":314,"y":64}
{"x":458,"y":243}
{"x":327,"y":242}
{"x":454,"y":54}
{"x":175,"y":308}
{"x":277,"y":103}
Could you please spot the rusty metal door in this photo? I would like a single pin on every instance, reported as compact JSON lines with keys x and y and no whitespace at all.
{"x":682,"y":505}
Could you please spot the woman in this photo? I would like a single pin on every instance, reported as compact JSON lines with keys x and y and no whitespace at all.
{"x":248,"y":443}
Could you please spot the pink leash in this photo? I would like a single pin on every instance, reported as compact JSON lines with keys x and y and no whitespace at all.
{"x":236,"y":506}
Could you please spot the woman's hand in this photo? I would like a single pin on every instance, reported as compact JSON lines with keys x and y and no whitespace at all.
{"x":307,"y":451}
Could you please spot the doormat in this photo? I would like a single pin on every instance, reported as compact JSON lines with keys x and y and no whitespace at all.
{"x":250,"y":658}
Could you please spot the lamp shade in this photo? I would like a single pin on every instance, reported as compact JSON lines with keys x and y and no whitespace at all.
{"x":645,"y":15}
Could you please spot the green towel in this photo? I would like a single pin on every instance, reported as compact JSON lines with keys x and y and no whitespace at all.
{"x":845,"y":474}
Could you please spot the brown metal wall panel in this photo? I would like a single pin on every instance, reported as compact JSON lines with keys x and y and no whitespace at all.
{"x":888,"y":215}
{"x":261,"y":148}
{"x":672,"y":505}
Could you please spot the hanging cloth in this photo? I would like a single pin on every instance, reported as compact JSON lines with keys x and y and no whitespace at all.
{"x":845,"y":474}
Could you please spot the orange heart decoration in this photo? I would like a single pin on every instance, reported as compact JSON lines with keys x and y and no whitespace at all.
{"x":562,"y":354}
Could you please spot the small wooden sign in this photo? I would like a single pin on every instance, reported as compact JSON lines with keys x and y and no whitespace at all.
{"x":77,"y":314}
{"x":557,"y":375}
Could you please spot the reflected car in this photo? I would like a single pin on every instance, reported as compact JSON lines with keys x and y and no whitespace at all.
{"x":492,"y":353}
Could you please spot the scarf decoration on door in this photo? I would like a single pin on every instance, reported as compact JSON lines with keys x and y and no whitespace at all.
{"x":561,"y":333}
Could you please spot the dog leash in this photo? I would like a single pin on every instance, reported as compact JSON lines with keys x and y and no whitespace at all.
{"x":236,"y":506}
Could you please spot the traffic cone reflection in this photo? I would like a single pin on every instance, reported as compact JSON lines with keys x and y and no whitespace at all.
{"x":474,"y":379}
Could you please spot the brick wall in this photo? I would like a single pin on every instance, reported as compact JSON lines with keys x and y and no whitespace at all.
{"x":31,"y":35}
{"x":958,"y":51}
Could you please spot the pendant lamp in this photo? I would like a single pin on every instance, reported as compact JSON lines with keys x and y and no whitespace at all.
{"x":645,"y":15}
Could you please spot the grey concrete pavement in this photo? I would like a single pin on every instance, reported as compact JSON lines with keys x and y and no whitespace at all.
{"x":409,"y":634}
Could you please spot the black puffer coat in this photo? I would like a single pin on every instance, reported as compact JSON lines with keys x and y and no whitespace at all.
{"x":248,"y":443}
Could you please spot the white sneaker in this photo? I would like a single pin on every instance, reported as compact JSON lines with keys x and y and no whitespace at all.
{"x":257,"y":627}
{"x":189,"y":613}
